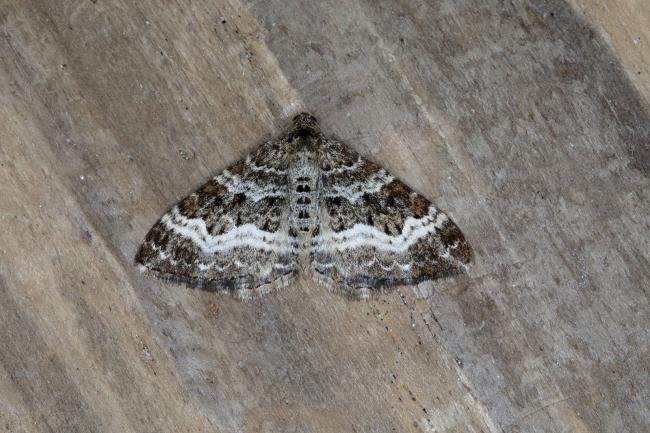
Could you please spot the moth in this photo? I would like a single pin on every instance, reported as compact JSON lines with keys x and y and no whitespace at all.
{"x":303,"y":203}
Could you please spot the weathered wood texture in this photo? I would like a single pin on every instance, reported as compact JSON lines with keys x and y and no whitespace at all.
{"x":516,"y":117}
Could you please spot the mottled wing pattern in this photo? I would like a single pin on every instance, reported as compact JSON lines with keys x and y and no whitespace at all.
{"x":232,"y":233}
{"x":375,"y":231}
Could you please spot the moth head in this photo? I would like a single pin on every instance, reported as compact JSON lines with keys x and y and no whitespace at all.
{"x":305,"y":121}
{"x":305,"y":130}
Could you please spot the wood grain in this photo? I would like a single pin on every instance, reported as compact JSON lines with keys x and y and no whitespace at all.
{"x":518,"y":118}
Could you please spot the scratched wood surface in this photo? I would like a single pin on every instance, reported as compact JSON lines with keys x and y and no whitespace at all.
{"x":526,"y":120}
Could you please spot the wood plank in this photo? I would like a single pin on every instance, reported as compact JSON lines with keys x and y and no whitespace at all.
{"x":515,"y":117}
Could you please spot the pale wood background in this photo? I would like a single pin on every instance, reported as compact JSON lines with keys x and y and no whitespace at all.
{"x":527,"y":120}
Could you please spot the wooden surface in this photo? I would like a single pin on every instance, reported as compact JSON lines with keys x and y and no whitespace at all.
{"x":526,"y":121}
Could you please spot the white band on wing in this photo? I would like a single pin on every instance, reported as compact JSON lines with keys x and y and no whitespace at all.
{"x":253,"y":190}
{"x":246,"y":235}
{"x":364,"y":236}
{"x":356,"y":190}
